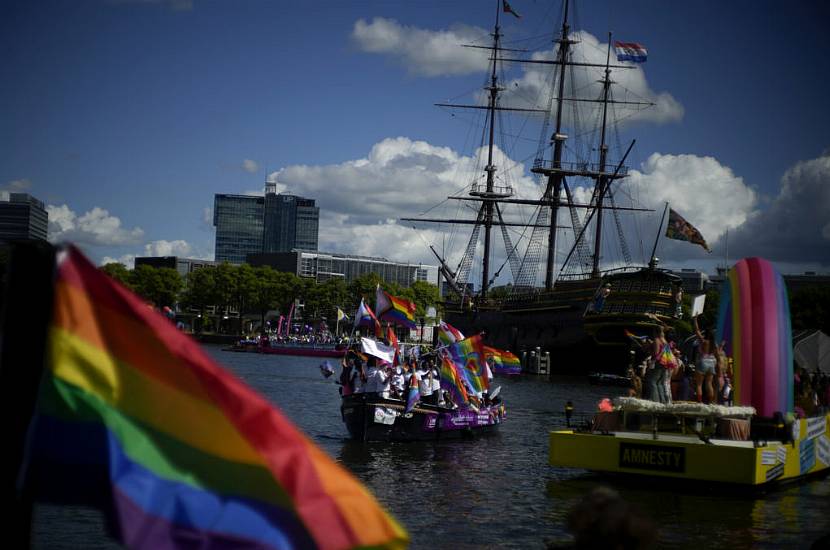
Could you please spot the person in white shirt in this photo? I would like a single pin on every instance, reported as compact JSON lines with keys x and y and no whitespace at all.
{"x":424,"y":383}
{"x":384,"y":381}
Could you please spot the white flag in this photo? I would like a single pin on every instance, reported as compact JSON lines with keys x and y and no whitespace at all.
{"x":377,"y":349}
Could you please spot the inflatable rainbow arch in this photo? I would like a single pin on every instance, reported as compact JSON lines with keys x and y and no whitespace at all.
{"x":754,"y":320}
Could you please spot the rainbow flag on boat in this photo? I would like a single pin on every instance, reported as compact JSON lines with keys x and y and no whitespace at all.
{"x":133,"y":417}
{"x":452,"y":381}
{"x":393,"y":309}
{"x":468,"y":355}
{"x":504,"y":362}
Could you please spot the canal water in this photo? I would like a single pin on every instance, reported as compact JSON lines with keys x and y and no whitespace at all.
{"x":497,"y":491}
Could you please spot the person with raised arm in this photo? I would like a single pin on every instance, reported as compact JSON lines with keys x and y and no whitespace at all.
{"x":705,"y":369}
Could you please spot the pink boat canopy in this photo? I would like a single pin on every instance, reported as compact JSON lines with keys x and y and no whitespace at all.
{"x":754,"y":320}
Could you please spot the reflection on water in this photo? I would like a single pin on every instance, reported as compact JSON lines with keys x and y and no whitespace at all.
{"x":496,"y":491}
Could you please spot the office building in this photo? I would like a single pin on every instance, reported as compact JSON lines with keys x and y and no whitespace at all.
{"x":290,"y":222}
{"x":239,"y":224}
{"x":273,"y":223}
{"x":182,"y":265}
{"x":322,"y":266}
{"x":22,"y":217}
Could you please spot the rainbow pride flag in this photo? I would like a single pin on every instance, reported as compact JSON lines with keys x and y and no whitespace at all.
{"x":468,"y":355}
{"x":133,"y":417}
{"x":395,"y":310}
{"x":448,"y":334}
{"x":504,"y":362}
{"x":452,"y":382}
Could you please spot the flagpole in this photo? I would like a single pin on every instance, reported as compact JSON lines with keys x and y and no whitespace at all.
{"x":652,"y":263}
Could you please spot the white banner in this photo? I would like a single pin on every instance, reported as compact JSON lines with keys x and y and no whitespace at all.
{"x":385,"y":416}
{"x":816,"y":426}
{"x":782,"y":454}
{"x":697,"y":304}
{"x":377,"y":349}
{"x":824,"y":449}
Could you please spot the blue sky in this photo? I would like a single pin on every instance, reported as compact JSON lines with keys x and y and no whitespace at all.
{"x":127,"y":116}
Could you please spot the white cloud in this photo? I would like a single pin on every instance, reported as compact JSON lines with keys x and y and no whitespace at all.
{"x":437,"y":53}
{"x":95,"y":227}
{"x":360,"y":200}
{"x":399,"y":177}
{"x":533,"y":88}
{"x":423,"y":52}
{"x":706,"y":193}
{"x":167,"y":248}
{"x":795,"y":227}
{"x":250,"y":166}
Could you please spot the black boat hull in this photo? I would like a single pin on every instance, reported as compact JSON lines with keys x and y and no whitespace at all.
{"x":566,"y":322}
{"x":370,"y":418}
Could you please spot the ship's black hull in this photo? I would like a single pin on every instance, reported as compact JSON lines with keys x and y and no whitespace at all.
{"x":580,"y":334}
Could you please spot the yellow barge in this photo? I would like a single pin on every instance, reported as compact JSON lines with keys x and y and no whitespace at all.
{"x":696,"y":442}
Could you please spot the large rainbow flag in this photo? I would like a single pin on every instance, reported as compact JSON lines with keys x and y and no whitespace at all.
{"x":135,"y":418}
{"x":504,"y":362}
{"x":468,"y":356}
{"x":395,"y":310}
{"x":452,"y":381}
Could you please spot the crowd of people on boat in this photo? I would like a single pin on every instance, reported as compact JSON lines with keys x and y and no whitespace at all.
{"x":373,"y":377}
{"x":662,"y":372}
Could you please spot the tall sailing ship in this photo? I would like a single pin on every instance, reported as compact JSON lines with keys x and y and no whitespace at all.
{"x":583,"y":310}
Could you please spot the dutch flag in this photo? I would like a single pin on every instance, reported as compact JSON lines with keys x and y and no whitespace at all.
{"x":631,"y":51}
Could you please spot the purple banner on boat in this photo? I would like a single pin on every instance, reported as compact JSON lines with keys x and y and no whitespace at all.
{"x":461,"y":419}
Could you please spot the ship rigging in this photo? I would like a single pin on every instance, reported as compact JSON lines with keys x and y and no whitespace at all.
{"x":552,"y":174}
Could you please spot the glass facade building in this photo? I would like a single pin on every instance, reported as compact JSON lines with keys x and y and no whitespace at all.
{"x":273,"y":223}
{"x":239,"y":223}
{"x":290,"y":222}
{"x":22,"y":217}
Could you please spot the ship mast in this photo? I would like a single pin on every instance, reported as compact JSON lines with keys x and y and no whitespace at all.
{"x":602,"y":181}
{"x":490,"y":168}
{"x":555,"y":171}
{"x":554,"y":187}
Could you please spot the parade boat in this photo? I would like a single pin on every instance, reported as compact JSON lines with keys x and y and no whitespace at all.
{"x":758,"y":442}
{"x":466,"y":405}
{"x":700,"y":443}
{"x":304,"y":349}
{"x":578,"y":114}
{"x":371,"y":418}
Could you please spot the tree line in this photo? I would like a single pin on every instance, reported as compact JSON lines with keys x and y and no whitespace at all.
{"x":258,"y":290}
